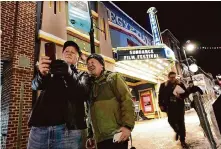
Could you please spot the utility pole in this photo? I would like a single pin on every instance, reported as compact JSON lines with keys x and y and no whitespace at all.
{"x":91,"y":33}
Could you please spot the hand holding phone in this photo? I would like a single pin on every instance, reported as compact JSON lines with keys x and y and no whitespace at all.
{"x":117,"y":137}
{"x":50,"y":50}
{"x":44,"y":65}
{"x":125,"y":134}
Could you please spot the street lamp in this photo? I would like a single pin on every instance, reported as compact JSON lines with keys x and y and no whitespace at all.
{"x":193,"y":68}
{"x":190,"y":47}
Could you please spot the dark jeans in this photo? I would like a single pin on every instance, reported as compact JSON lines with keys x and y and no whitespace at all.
{"x":175,"y":114}
{"x":54,"y":137}
{"x":108,"y":144}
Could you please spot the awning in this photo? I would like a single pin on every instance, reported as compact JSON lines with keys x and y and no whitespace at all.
{"x":149,"y":63}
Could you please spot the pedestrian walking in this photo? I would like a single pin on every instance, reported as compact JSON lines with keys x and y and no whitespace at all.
{"x":172,"y":103}
{"x":111,"y":106}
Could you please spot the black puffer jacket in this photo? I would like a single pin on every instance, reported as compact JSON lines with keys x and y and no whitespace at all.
{"x":166,"y":91}
{"x":194,"y":89}
{"x":61,"y":100}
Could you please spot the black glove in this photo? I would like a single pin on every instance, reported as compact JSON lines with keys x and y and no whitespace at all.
{"x":60,"y":67}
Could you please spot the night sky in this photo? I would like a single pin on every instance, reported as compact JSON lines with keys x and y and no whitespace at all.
{"x":196,"y":21}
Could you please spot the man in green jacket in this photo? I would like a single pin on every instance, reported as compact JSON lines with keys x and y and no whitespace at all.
{"x":111,"y":106}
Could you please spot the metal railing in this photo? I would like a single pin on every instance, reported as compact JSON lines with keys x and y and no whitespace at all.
{"x":203,"y":106}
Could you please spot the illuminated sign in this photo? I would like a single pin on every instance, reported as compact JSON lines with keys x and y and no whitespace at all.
{"x":79,"y":16}
{"x":141,"y":54}
{"x":128,"y":25}
{"x":154,"y":26}
{"x":169,"y":53}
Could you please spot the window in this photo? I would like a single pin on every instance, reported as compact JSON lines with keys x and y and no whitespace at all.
{"x":55,"y":7}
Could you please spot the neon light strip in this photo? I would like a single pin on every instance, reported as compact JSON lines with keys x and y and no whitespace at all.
{"x":130,"y":18}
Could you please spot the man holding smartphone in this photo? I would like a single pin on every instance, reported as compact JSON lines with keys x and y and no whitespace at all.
{"x":58,"y":116}
{"x":111,"y":107}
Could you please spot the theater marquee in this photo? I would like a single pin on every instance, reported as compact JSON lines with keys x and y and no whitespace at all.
{"x":141,"y":54}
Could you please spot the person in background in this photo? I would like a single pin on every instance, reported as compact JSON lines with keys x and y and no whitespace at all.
{"x":111,"y":106}
{"x":58,"y":116}
{"x":173,"y":105}
{"x":193,"y":89}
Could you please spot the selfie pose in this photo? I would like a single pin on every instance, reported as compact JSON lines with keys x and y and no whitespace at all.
{"x":111,"y":107}
{"x":58,"y":116}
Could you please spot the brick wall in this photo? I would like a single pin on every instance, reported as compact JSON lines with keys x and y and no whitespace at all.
{"x":5,"y":98}
{"x":19,"y":108}
{"x":167,"y":39}
{"x":7,"y":27}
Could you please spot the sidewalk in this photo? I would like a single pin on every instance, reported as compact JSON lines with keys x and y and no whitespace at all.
{"x":157,"y":134}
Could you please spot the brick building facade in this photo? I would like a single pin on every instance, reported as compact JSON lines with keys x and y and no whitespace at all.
{"x":26,"y":26}
{"x":18,"y":23}
{"x":171,"y":41}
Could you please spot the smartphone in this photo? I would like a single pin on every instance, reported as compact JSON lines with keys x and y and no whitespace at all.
{"x":50,"y":50}
{"x":117,"y":137}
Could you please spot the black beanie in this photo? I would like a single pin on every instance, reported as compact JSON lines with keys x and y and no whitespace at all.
{"x":73,"y":44}
{"x":97,"y":57}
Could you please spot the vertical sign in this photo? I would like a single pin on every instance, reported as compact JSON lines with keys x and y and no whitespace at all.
{"x":79,"y":16}
{"x":154,"y":26}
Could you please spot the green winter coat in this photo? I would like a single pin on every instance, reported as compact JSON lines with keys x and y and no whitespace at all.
{"x":111,"y":106}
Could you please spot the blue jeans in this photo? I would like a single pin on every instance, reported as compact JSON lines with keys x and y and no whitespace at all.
{"x":54,"y":137}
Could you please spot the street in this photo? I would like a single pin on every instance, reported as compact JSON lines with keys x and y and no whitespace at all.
{"x":157,"y":134}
